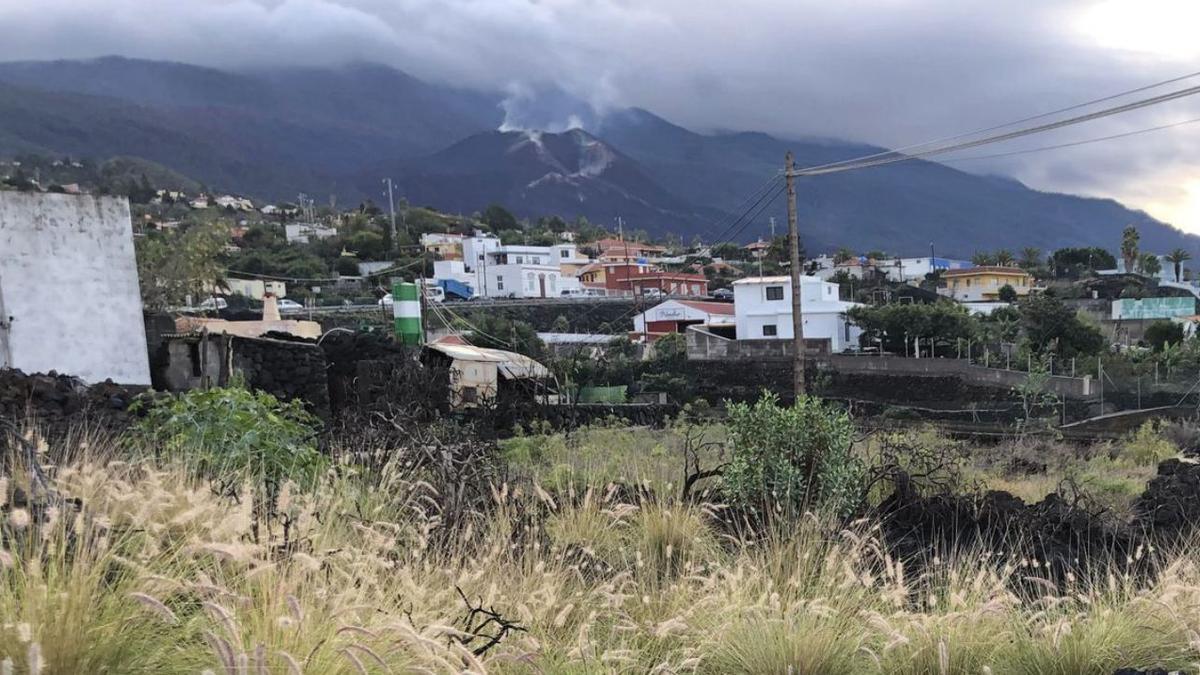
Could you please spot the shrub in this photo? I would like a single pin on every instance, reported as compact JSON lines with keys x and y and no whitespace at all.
{"x":1147,"y":446}
{"x":1007,"y":293}
{"x":794,"y":458}
{"x":231,"y":434}
{"x":1162,"y":333}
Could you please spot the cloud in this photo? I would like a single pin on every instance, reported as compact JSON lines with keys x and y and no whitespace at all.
{"x":890,"y":72}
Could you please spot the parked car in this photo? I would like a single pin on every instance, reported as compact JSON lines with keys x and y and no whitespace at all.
{"x":286,"y":305}
{"x":386,"y":300}
{"x":214,"y":303}
{"x":653,"y":293}
{"x":574,"y":293}
{"x":723,"y":294}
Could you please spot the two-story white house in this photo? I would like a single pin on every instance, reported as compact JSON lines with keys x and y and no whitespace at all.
{"x":763,"y":311}
{"x":525,"y":272}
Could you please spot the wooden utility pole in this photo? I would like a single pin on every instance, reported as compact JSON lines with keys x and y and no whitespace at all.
{"x":798,"y":384}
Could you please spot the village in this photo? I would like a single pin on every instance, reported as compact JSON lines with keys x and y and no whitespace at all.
{"x":504,"y":337}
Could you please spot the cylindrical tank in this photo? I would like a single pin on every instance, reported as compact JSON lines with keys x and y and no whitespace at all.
{"x":406,"y":311}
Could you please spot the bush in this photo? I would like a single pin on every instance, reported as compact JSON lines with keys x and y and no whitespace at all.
{"x":1147,"y":446}
{"x":231,"y":434}
{"x":1162,"y":333}
{"x":1007,"y":293}
{"x":795,"y":458}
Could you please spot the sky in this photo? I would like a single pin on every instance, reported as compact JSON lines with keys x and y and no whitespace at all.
{"x":889,"y":72}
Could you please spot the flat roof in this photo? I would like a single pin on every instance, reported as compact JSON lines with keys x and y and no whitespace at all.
{"x":985,"y":269}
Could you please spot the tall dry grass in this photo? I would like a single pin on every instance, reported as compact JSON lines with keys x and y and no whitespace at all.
{"x":157,"y":573}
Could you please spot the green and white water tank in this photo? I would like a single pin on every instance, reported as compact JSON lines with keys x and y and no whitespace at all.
{"x":406,"y":312}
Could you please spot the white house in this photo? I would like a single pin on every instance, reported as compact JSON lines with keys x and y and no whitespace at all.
{"x":763,"y":311}
{"x":525,"y":280}
{"x":304,"y":232}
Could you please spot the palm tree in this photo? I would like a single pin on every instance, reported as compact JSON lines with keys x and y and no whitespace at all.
{"x":1177,"y":258}
{"x":1129,"y":247}
{"x":1004,"y":257}
{"x":1031,"y":257}
{"x":1149,"y":265}
{"x":982,"y":258}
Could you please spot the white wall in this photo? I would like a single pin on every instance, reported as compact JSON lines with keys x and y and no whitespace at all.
{"x":476,"y":246}
{"x":68,"y":279}
{"x":823,"y":312}
{"x":513,"y":281}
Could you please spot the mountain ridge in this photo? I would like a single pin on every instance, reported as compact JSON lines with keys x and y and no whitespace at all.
{"x":271,"y":133}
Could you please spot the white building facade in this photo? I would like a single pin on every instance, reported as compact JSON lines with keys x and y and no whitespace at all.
{"x":526,"y":280}
{"x":69,"y":297}
{"x":763,"y":311}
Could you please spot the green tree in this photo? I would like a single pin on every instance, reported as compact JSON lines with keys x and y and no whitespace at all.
{"x":346,"y":266}
{"x":1149,"y":265}
{"x":1129,"y":247}
{"x":1177,"y":258}
{"x":1162,"y":333}
{"x":893,"y":324}
{"x":1031,"y":257}
{"x":1004,"y":257}
{"x":983,"y":258}
{"x":1007,"y":293}
{"x":177,"y":263}
{"x":1071,"y":263}
{"x":842,"y":255}
{"x":1052,"y":327}
{"x":499,"y":218}
{"x":792,"y":459}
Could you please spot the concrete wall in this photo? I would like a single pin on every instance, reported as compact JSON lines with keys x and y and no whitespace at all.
{"x":1070,"y":387}
{"x":68,"y":279}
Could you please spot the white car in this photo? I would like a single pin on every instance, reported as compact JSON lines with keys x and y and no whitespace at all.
{"x":214,"y":303}
{"x":386,"y":300}
{"x":286,"y":305}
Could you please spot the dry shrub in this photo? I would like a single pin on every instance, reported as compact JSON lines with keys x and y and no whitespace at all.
{"x":159,"y":573}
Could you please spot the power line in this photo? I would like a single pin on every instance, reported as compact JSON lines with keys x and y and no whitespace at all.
{"x":1079,"y":119}
{"x":1071,"y":144}
{"x":757,"y":193}
{"x":1044,"y":115}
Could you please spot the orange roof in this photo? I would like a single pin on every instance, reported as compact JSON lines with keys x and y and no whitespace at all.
{"x":756,"y":245}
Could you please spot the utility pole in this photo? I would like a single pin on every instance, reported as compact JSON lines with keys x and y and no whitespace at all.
{"x":391,"y":208}
{"x":798,"y":379}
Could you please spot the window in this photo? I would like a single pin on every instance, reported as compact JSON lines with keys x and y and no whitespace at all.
{"x":499,"y":283}
{"x":520,"y":259}
{"x":769,"y":330}
{"x":470,"y":395}
{"x":563,"y":254}
{"x":774,"y":293}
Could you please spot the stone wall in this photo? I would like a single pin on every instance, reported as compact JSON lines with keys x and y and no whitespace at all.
{"x":287,"y":370}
